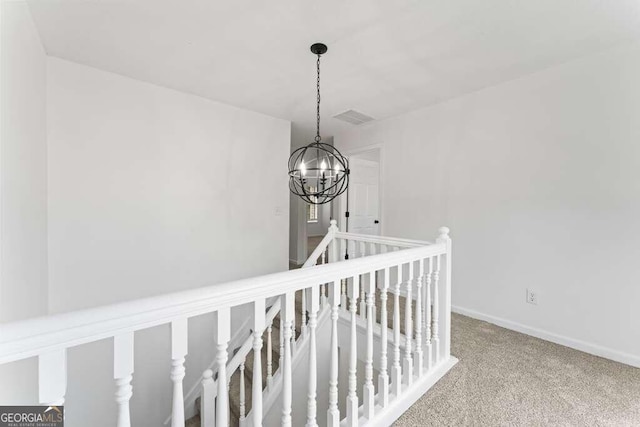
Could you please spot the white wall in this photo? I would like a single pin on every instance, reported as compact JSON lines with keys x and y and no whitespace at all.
{"x":538,"y":180}
{"x":24,"y":175}
{"x":297,"y":230}
{"x":324,"y":216}
{"x":23,"y":188}
{"x":152,"y":190}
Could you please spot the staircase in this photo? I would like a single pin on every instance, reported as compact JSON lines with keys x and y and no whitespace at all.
{"x":243,"y":377}
{"x":386,"y":308}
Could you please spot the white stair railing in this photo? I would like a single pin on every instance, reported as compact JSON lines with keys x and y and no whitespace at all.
{"x":399,"y":265}
{"x":209,"y":393}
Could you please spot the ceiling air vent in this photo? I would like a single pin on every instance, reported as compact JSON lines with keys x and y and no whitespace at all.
{"x":353,"y":117}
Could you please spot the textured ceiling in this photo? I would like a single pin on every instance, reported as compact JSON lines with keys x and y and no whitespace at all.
{"x":385,"y":57}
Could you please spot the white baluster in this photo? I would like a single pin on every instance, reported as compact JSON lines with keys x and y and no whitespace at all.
{"x":303,"y":323}
{"x":324,"y":300}
{"x":352,"y":397}
{"x":408,"y":326}
{"x":123,"y":373}
{"x":333,"y":413}
{"x":207,"y":401}
{"x":368,"y":393}
{"x":52,"y":377}
{"x":383,"y":377}
{"x":363,"y":300}
{"x":223,"y":334}
{"x":324,"y":287}
{"x":446,"y":303}
{"x":256,"y":386}
{"x":243,"y":404}
{"x":314,"y":306}
{"x":435,"y":339}
{"x":281,"y":339}
{"x":343,"y":250}
{"x":179,"y":336}
{"x":373,"y":251}
{"x":427,"y":316}
{"x":343,"y":294}
{"x":294,"y":342}
{"x":417,"y":353}
{"x":396,"y":371}
{"x":287,"y":393}
{"x":269,"y":357}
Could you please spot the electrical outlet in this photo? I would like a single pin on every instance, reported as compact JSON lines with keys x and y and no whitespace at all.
{"x":532,"y":297}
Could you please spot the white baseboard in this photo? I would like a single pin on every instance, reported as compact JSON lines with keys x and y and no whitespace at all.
{"x":597,"y":350}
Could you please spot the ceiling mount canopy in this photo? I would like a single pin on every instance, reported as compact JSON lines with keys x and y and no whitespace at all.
{"x":319,"y":48}
{"x":318,"y":172}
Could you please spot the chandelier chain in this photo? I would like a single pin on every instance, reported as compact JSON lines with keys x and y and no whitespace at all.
{"x":318,"y":102}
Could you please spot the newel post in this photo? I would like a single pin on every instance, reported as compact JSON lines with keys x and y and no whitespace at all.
{"x":445,"y":312}
{"x":207,"y":402}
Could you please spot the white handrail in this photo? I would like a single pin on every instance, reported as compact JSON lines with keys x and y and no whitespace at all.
{"x":27,"y":338}
{"x":391,"y":241}
{"x":313,"y":258}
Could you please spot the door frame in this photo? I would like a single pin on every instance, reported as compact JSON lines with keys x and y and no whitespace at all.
{"x":340,"y":206}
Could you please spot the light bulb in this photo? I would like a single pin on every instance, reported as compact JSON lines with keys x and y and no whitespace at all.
{"x":337,"y":167}
{"x":303,"y":169}
{"x":323,"y":166}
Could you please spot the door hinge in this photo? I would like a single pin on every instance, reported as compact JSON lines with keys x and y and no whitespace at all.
{"x":346,"y":214}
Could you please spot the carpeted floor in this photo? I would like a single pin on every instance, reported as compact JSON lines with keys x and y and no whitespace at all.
{"x":505,"y":378}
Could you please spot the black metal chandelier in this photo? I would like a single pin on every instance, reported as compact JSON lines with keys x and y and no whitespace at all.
{"x":318,"y":173}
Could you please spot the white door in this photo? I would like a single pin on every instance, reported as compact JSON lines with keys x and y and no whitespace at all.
{"x":364,"y":193}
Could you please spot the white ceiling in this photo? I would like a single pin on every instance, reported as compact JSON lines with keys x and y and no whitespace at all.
{"x":385,"y":57}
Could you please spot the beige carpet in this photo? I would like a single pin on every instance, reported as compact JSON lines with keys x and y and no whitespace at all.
{"x":509,"y":379}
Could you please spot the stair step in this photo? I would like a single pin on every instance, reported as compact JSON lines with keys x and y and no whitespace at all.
{"x":193,"y":421}
{"x":275,"y":361}
{"x":234,"y":383}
